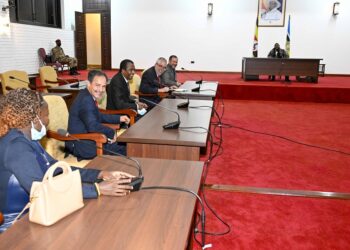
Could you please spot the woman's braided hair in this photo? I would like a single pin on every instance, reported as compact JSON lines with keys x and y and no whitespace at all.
{"x":18,"y":108}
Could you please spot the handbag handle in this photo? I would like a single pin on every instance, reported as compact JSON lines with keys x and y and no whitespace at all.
{"x":51,"y":170}
{"x":66,"y":171}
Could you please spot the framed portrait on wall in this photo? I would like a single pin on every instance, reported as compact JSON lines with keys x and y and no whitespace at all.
{"x":271,"y":13}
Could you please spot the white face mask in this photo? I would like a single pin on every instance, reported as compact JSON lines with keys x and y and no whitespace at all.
{"x":37,"y":135}
{"x":142,"y":111}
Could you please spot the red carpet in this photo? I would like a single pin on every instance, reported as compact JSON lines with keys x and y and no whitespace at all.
{"x":281,"y":222}
{"x":264,"y":161}
{"x":276,"y":222}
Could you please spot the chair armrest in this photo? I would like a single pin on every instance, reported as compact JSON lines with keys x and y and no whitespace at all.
{"x":143,"y":94}
{"x":70,"y":80}
{"x":160,"y":94}
{"x":129,"y":112}
{"x":9,"y":88}
{"x":163,"y":94}
{"x":39,"y":87}
{"x":1,"y":219}
{"x":112,"y":126}
{"x":52,"y":82}
{"x":99,"y":138}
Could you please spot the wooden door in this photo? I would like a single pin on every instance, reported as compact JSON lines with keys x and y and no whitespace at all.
{"x":80,"y":40}
{"x":106,"y":50}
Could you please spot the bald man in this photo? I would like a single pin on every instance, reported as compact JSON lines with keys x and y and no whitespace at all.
{"x":272,"y":12}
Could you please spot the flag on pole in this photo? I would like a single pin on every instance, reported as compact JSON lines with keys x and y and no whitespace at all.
{"x":288,"y":38}
{"x":255,"y":46}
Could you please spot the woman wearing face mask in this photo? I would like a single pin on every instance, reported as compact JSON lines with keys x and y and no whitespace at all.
{"x":23,"y":121}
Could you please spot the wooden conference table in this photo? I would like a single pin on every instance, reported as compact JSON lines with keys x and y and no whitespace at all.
{"x":148,"y":219}
{"x":72,"y":88}
{"x":147,"y":138}
{"x":252,"y":67}
{"x":207,"y":90}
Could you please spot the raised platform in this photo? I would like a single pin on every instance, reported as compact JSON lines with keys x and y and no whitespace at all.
{"x":328,"y":89}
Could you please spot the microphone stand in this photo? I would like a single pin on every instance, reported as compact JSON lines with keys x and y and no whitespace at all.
{"x":199,"y":82}
{"x":29,"y":84}
{"x":136,"y":182}
{"x":170,"y":125}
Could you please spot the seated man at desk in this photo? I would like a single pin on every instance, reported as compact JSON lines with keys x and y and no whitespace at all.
{"x":59,"y":56}
{"x":118,"y":91}
{"x":169,"y":76}
{"x":84,"y":117}
{"x":151,"y":82}
{"x":277,"y":52}
{"x":24,"y":116}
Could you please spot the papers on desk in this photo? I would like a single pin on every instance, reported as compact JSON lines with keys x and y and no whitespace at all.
{"x":180,"y":90}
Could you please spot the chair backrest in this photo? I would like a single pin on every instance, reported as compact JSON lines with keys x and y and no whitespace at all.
{"x":58,"y":116}
{"x":8,"y":83}
{"x":102,"y":104}
{"x":48,"y":73}
{"x":134,"y":84}
{"x":42,"y":56}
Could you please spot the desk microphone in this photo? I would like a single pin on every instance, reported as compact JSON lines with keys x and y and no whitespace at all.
{"x":136,"y":182}
{"x":197,"y":82}
{"x":170,"y":125}
{"x":15,"y":78}
{"x":184,"y":105}
{"x":76,"y":85}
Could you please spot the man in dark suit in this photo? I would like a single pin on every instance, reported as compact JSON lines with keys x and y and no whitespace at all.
{"x":277,"y":52}
{"x":84,"y":117}
{"x":168,"y":78}
{"x":118,"y":91}
{"x":151,"y":82}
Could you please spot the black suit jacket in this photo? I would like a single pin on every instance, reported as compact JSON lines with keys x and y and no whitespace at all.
{"x":118,"y":94}
{"x":281,"y":53}
{"x":150,"y":84}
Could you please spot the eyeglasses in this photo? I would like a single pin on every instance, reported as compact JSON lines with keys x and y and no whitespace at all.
{"x":160,"y":65}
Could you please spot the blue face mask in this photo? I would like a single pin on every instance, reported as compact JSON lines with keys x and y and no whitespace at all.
{"x":141,"y":111}
{"x":37,"y":135}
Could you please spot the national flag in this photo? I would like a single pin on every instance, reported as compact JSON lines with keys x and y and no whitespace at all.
{"x":255,"y":46}
{"x":288,"y":38}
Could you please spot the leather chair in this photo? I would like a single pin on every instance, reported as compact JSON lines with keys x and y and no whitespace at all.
{"x":44,"y":62}
{"x":9,"y":84}
{"x":58,"y":116}
{"x":49,"y":78}
{"x":134,"y":84}
{"x":54,"y":142}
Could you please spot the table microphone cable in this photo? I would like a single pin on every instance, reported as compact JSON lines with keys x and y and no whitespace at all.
{"x":205,"y":173}
{"x":202,"y":215}
{"x":290,"y":140}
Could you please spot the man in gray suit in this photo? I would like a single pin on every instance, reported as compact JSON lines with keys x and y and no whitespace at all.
{"x":169,"y":76}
